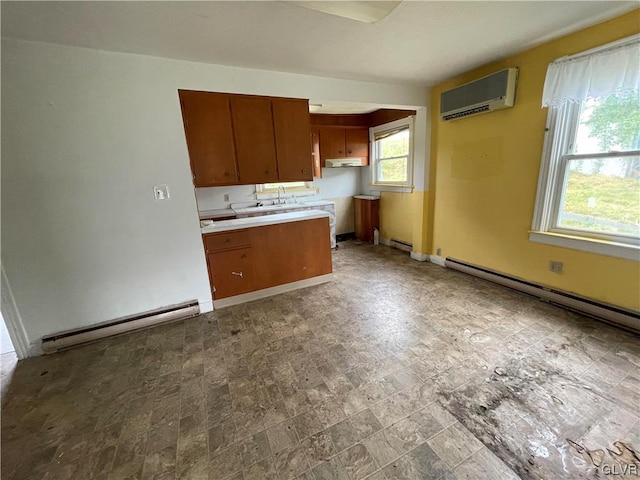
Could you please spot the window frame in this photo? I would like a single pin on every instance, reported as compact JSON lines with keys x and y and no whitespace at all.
{"x":381,"y":185}
{"x":560,"y":136}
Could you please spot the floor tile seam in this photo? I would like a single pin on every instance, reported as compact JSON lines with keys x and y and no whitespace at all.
{"x":406,"y":454}
{"x":482,"y":445}
{"x":384,"y":430}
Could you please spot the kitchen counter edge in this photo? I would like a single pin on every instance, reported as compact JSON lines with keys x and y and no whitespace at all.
{"x":240,"y":223}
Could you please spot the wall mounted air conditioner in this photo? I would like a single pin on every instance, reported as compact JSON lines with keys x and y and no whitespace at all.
{"x":493,"y":92}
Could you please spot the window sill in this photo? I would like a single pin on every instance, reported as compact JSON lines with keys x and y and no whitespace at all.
{"x":601,"y":247}
{"x":391,"y":188}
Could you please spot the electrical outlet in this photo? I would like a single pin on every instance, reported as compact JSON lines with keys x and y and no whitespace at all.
{"x":556,"y":267}
{"x":439,"y":252}
{"x":226,"y":197}
{"x":161,"y":192}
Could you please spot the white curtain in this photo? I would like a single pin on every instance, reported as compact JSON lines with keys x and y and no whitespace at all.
{"x":593,"y":75}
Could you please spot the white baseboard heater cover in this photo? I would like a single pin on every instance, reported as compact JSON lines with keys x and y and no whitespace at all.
{"x":400,"y":245}
{"x":79,"y":336}
{"x":627,"y":319}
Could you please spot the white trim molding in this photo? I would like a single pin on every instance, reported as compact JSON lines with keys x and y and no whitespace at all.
{"x":391,"y":188}
{"x":13,"y":320}
{"x":602,"y":247}
{"x":406,"y":123}
{"x":205,"y":306}
{"x":384,"y":241}
{"x":437,"y":260}
{"x":420,"y":257}
{"x":268,"y":292}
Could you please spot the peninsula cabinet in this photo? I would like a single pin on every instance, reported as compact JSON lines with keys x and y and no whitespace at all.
{"x":344,"y":142}
{"x":246,"y":260}
{"x":246,"y":139}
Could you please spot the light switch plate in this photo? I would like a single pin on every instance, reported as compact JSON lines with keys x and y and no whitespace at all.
{"x":161,"y":192}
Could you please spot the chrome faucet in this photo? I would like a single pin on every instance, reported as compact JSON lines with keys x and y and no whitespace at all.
{"x":284,"y":191}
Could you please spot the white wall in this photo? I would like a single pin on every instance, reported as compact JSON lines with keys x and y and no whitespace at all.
{"x":85,"y":136}
{"x":212,"y":198}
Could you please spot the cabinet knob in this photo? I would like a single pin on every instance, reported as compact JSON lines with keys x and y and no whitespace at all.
{"x":349,"y":151}
{"x":266,"y":172}
{"x":244,"y":255}
{"x":304,"y":170}
{"x":226,"y":174}
{"x":237,"y":274}
{"x":228,"y":240}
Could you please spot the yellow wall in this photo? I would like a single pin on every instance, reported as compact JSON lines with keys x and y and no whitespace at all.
{"x":484,"y":173}
{"x":396,"y":216}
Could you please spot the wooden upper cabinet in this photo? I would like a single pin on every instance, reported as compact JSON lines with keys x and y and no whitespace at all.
{"x":357,"y":143}
{"x":291,"y":127}
{"x":344,"y":142}
{"x":332,"y":144}
{"x":245,"y":139}
{"x":209,"y":134}
{"x":315,"y":152}
{"x":254,"y":139}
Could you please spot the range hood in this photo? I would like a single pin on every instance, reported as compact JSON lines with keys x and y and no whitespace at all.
{"x":344,"y":162}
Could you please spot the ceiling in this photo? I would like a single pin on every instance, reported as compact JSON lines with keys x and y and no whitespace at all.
{"x":418,"y":43}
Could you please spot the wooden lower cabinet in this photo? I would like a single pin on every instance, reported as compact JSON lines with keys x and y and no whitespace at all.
{"x":275,"y":255}
{"x":367,"y":218}
{"x":232,"y":272}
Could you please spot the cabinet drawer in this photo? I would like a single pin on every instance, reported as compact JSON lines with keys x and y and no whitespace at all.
{"x":226,"y":240}
{"x":231,"y":272}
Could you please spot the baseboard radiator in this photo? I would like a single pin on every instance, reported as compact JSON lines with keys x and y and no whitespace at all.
{"x":80,"y":336}
{"x":620,"y":317}
{"x":400,"y":245}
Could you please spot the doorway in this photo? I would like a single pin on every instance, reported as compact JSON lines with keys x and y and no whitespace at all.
{"x":6,"y":346}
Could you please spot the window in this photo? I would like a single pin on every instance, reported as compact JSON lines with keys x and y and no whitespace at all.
{"x":268,"y":191}
{"x":287,"y":185}
{"x":589,"y":186}
{"x":392,"y":154}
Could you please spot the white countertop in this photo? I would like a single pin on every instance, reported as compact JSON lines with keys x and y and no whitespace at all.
{"x":238,"y":223}
{"x":284,"y":206}
{"x":223,"y":212}
{"x":366,"y":197}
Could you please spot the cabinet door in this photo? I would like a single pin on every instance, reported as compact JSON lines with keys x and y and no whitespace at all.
{"x":209,"y":133}
{"x":315,"y":152}
{"x":231,"y":272}
{"x":254,"y":139}
{"x":366,"y":218}
{"x":332,"y":143}
{"x":357,"y":140}
{"x":291,"y":126}
{"x":289,"y":252}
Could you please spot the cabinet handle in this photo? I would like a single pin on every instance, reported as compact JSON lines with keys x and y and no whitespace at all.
{"x":304,"y":170}
{"x":266,"y":172}
{"x":239,"y":274}
{"x":244,"y":255}
{"x":226,"y":174}
{"x":349,"y":151}
{"x":228,"y":240}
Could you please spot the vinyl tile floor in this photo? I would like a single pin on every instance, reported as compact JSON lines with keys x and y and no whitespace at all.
{"x":395,"y":369}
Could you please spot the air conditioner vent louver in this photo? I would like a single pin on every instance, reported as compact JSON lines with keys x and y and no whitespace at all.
{"x":493,"y":92}
{"x":473,"y":111}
